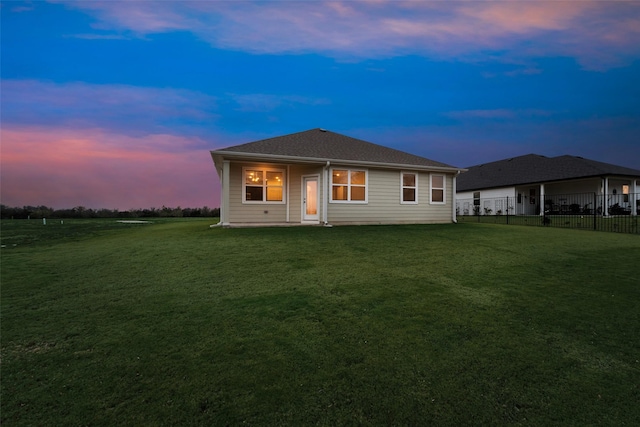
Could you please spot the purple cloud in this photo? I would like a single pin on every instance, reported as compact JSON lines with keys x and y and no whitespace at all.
{"x":599,"y":35}
{"x":82,"y":104}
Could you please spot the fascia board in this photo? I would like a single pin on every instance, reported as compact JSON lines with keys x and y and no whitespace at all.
{"x":217,"y":161}
{"x":315,"y":160}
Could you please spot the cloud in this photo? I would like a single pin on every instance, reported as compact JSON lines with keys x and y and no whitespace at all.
{"x":63,"y":168}
{"x":99,"y":36}
{"x":137,"y":16}
{"x":260,"y":102}
{"x":499,"y":113}
{"x":20,"y":9}
{"x":82,"y":104}
{"x":598,"y":34}
{"x":482,"y":114}
{"x":132,"y":109}
{"x":480,"y":139}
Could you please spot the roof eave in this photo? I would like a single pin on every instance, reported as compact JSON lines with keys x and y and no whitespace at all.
{"x":549,"y":181}
{"x":219,"y":155}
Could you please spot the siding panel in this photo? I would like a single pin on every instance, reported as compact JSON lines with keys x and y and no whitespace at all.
{"x":384,"y":205}
{"x":243,"y":213}
{"x":249,"y":212}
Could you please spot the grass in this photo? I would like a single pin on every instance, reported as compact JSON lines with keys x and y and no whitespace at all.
{"x":176,"y":323}
{"x":616,"y":224}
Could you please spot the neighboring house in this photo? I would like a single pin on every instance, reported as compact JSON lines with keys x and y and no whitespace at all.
{"x":321,"y":177}
{"x":535,"y":184}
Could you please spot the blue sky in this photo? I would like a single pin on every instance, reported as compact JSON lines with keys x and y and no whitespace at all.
{"x":117,"y":104}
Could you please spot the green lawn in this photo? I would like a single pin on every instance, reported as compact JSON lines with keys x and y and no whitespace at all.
{"x":174,"y":323}
{"x":615,"y":224}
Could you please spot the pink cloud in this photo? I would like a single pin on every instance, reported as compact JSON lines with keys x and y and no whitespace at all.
{"x":525,"y":17}
{"x":94,"y":168}
{"x":138,"y":16}
{"x":598,"y":34}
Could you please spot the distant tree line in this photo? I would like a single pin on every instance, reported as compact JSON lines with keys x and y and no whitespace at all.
{"x":38,"y":212}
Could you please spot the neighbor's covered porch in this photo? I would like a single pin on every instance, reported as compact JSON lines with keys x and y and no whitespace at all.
{"x":604,"y":196}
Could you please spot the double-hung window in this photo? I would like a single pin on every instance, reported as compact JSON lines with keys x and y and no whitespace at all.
{"x":349,"y":185}
{"x":437,"y":189}
{"x":263,"y":185}
{"x":408,"y":188}
{"x":476,"y":198}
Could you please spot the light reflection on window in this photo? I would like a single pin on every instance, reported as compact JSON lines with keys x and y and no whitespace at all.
{"x":349,"y":185}
{"x":437,"y":188}
{"x":409,"y":188}
{"x":263,"y":185}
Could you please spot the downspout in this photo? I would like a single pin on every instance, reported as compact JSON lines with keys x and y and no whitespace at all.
{"x":454,"y":216}
{"x":325,"y":194}
{"x":636,"y":196}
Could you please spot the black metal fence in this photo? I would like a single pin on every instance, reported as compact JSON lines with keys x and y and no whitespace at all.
{"x":589,"y":211}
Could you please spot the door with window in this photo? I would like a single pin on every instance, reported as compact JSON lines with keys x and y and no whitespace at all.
{"x":310,"y":199}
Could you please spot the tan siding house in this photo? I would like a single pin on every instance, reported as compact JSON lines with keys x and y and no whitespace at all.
{"x":321,"y":177}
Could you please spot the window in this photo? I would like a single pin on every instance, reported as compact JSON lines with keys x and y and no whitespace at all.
{"x":476,"y":198}
{"x":348,"y":185}
{"x":437,"y":189}
{"x":263,"y":185}
{"x":409,"y":188}
{"x":625,"y":193}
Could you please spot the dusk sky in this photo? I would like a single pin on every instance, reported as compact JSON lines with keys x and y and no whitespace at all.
{"x":117,"y":104}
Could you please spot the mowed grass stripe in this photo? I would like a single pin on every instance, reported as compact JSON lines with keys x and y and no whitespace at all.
{"x":176,"y":323}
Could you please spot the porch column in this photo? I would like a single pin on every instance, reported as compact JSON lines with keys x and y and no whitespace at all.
{"x":541,"y":199}
{"x":287,"y":200}
{"x":224,"y":199}
{"x":635,"y":196}
{"x":325,"y":193}
{"x":453,"y":189}
{"x":605,"y":199}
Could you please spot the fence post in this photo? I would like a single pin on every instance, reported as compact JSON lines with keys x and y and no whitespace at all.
{"x":595,"y":214}
{"x":507,"y":209}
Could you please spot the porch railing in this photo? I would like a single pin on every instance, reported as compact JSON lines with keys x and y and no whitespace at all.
{"x":589,"y":211}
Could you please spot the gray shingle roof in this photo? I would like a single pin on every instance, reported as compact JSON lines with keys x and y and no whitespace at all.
{"x":325,"y":145}
{"x":534,"y":168}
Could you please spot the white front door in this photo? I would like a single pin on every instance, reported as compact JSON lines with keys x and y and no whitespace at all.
{"x":310,"y":199}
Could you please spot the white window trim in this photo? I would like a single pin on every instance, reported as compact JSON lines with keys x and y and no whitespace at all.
{"x":349,"y":170}
{"x":444,"y":189}
{"x":402,"y":187}
{"x":264,"y":194}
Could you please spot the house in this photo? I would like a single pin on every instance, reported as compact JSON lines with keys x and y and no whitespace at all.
{"x":535,"y":184}
{"x":322,"y":177}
